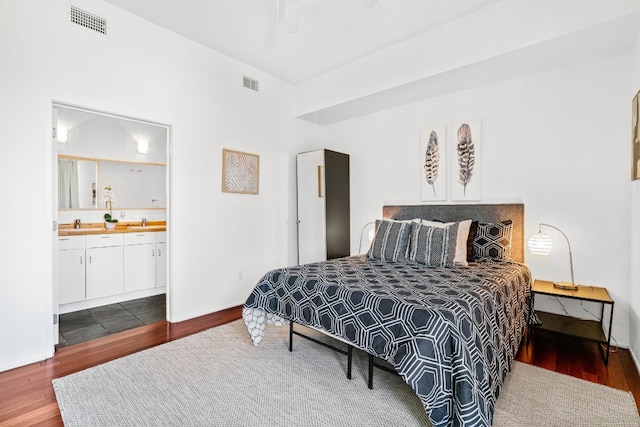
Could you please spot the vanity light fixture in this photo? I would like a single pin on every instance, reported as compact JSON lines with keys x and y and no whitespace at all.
{"x":142,"y":145}
{"x":541,"y":244}
{"x":62,"y":134}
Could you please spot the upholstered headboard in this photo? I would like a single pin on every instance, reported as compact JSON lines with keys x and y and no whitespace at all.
{"x":483,"y":213}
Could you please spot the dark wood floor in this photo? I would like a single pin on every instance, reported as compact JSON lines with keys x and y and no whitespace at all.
{"x":27,"y":396}
{"x":581,"y":359}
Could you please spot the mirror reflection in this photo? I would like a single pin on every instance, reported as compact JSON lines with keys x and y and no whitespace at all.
{"x":96,"y":151}
{"x":135,"y":185}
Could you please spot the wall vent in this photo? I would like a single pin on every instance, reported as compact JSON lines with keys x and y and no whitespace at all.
{"x":250,"y":83}
{"x":88,"y":20}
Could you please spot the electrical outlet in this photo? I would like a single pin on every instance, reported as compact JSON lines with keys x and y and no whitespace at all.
{"x":122,"y":214}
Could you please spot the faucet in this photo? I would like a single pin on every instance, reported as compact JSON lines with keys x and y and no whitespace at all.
{"x":144,"y":222}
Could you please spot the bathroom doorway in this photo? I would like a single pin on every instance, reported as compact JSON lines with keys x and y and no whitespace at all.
{"x":106,"y":163}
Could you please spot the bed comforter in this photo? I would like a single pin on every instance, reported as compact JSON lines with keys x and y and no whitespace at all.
{"x":451,"y":333}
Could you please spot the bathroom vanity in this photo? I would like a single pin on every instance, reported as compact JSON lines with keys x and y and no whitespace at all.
{"x":98,"y":266}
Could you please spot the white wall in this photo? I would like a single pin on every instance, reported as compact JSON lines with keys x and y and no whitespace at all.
{"x":558,"y":140}
{"x":545,"y":30}
{"x":634,"y":252}
{"x":146,"y":72}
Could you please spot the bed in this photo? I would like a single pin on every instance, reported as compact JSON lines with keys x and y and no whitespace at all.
{"x":449,"y":328}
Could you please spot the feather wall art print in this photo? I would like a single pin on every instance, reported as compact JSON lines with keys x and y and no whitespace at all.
{"x":433,"y":165}
{"x":466,"y":156}
{"x":466,"y":178}
{"x":432,"y":161}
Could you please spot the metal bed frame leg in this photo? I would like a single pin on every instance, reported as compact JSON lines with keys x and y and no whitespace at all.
{"x":370,"y":384}
{"x":372,"y":364}
{"x":348,"y":352}
{"x":290,"y":335}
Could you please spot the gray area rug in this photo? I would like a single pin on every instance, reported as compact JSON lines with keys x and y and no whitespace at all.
{"x":218,"y":378}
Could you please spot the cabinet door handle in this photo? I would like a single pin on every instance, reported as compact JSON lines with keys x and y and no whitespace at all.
{"x":159,"y":252}
{"x":80,"y":259}
{"x":153,"y":253}
{"x":90,"y":259}
{"x":64,"y":239}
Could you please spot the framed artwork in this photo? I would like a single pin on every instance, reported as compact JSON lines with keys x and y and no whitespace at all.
{"x":466,"y":160}
{"x":433,"y":163}
{"x":240,"y":172}
{"x":635,"y":138}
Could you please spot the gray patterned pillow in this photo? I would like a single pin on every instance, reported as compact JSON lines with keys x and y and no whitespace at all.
{"x":391,"y":241}
{"x":493,"y":241}
{"x":433,"y":246}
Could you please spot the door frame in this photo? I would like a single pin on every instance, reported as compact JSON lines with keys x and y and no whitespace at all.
{"x":54,"y":162}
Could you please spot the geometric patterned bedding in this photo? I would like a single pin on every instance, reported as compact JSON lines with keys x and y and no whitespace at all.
{"x":451,"y":333}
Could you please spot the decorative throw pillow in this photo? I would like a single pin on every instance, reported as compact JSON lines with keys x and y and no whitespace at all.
{"x":390,"y":241}
{"x":493,"y":241}
{"x":473,"y":230}
{"x":433,"y":246}
{"x":462,"y":239}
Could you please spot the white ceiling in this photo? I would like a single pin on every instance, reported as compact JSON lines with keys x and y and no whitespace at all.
{"x":330,"y":33}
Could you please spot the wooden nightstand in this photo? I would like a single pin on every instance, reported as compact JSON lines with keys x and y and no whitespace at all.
{"x":591,"y":330}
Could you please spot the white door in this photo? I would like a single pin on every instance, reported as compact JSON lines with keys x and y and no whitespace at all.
{"x":139,"y":267}
{"x":161,"y":264}
{"x":104,"y":272}
{"x":54,"y":222}
{"x":312,"y":246}
{"x":71,"y":276}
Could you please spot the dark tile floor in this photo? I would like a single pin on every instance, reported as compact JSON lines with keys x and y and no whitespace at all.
{"x":84,"y":325}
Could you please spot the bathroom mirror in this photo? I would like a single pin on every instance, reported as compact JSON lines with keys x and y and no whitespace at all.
{"x":134,"y":185}
{"x":97,"y":150}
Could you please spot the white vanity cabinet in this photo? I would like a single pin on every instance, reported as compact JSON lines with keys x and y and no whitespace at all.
{"x":71,"y":259}
{"x":104,"y":265}
{"x":99,"y":269}
{"x":161,"y":259}
{"x":139,"y":261}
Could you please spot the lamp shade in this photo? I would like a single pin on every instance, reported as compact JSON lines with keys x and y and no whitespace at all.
{"x":540,"y":244}
{"x":371,"y":226}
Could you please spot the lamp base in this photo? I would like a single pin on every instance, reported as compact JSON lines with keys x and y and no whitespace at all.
{"x":566,"y":286}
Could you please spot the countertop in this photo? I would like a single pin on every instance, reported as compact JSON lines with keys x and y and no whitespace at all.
{"x":121,"y":227}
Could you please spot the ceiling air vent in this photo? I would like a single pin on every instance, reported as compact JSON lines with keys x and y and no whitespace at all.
{"x":250,"y":83}
{"x":88,"y":20}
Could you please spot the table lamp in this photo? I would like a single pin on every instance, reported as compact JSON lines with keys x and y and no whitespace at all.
{"x":371,"y":226}
{"x":541,"y":244}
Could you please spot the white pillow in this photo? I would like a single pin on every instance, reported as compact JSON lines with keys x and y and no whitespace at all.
{"x":460,"y":257}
